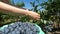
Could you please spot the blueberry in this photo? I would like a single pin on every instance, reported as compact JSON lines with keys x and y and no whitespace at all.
{"x":21,"y":28}
{"x":6,"y":30}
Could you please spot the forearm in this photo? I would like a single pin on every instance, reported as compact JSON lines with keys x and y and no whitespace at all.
{"x":11,"y":9}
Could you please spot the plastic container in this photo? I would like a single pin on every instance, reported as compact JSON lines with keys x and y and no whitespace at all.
{"x":40,"y":30}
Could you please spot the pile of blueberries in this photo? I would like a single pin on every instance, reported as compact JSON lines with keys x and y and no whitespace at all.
{"x":20,"y":28}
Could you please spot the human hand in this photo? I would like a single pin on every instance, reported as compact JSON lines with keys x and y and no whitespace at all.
{"x":33,"y":15}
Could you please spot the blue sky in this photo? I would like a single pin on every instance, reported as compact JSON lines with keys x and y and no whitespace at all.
{"x":27,"y":3}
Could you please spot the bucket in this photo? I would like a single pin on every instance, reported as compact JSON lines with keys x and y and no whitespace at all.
{"x":40,"y":30}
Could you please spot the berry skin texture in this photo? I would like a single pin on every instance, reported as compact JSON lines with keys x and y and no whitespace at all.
{"x":20,"y":28}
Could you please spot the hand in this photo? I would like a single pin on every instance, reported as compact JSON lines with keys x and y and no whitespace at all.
{"x":34,"y":15}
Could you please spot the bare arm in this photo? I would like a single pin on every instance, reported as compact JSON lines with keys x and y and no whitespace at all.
{"x":8,"y":9}
{"x":17,"y":11}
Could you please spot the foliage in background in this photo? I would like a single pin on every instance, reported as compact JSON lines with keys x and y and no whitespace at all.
{"x":7,"y":19}
{"x":51,"y":14}
{"x":53,"y":10}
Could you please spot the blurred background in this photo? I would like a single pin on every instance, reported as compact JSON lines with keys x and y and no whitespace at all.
{"x":48,"y":9}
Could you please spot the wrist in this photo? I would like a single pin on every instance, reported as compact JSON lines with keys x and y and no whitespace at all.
{"x":26,"y":13}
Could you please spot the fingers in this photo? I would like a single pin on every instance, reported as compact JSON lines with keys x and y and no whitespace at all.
{"x":37,"y":17}
{"x":34,"y":15}
{"x":37,"y":14}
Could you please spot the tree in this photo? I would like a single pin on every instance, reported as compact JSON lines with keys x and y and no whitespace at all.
{"x":35,"y":4}
{"x":53,"y":11}
{"x":7,"y":19}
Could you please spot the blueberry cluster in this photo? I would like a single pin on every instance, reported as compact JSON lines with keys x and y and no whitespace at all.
{"x":20,"y":28}
{"x":49,"y":27}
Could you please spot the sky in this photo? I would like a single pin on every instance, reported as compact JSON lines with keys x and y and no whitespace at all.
{"x":27,"y":3}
